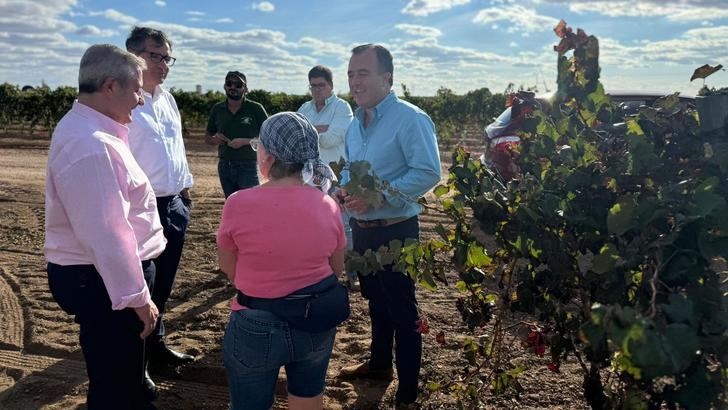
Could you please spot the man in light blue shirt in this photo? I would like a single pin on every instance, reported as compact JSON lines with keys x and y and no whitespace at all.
{"x":331,"y":116}
{"x":398,"y":140}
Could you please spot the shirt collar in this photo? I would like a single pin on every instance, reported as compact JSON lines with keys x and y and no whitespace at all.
{"x":327,"y":101}
{"x":157,"y":92}
{"x":106,"y":124}
{"x":380,"y":109}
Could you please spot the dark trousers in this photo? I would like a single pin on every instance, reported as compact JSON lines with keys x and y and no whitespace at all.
{"x":175,"y":216}
{"x":392,"y":308}
{"x":109,"y":338}
{"x":237,"y":175}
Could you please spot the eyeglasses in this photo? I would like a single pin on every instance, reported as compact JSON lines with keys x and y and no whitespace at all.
{"x":320,"y":86}
{"x":254,"y":144}
{"x":234,"y":84}
{"x":158,"y":58}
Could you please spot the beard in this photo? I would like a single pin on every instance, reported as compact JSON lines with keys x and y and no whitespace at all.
{"x":234,"y":96}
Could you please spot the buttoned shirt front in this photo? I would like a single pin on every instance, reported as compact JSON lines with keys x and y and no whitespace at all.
{"x":337,"y":114}
{"x":401,"y":146}
{"x":100,"y":208}
{"x":155,"y":139}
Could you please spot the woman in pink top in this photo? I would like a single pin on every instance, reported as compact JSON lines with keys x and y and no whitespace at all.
{"x":275,"y":239}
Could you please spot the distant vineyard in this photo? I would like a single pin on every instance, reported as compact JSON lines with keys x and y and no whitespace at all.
{"x":44,"y":107}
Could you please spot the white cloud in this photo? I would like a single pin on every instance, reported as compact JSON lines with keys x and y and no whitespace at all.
{"x":195,"y":13}
{"x":673,"y":10}
{"x":419,"y":31}
{"x":522,"y":19}
{"x":93,"y":31}
{"x":224,"y":20}
{"x":160,"y":3}
{"x":425,"y":7}
{"x":320,"y":47}
{"x":114,"y":15}
{"x":264,"y":6}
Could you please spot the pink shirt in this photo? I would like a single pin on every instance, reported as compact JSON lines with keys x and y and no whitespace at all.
{"x":100,"y":208}
{"x":283,"y":237}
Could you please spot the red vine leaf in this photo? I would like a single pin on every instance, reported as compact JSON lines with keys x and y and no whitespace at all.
{"x":440,"y":338}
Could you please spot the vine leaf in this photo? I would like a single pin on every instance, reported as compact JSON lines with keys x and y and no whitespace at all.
{"x":704,"y":71}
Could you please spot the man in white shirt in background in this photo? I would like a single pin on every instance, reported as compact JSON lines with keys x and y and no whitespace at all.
{"x":331,"y":116}
{"x":155,"y":139}
{"x":102,"y":230}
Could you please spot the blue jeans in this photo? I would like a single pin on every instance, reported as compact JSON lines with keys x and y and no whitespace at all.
{"x":255,"y":347}
{"x":237,"y":175}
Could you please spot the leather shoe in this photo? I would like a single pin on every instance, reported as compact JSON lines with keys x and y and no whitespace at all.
{"x":149,"y":389}
{"x":163,"y":355}
{"x":363,"y":371}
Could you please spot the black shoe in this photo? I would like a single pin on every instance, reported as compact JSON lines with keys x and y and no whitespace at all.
{"x":149,"y":389}
{"x":163,"y":355}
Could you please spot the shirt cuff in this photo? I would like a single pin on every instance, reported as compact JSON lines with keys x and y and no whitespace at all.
{"x":134,"y":300}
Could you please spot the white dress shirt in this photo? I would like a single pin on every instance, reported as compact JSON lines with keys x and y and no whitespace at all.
{"x":155,"y":139}
{"x":99,"y":206}
{"x":337,"y":115}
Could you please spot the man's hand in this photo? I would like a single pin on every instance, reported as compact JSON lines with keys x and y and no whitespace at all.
{"x":321,"y":128}
{"x":340,"y":196}
{"x":355,"y":204}
{"x":236,"y":143}
{"x":148,"y":315}
{"x":185,"y":193}
{"x":217,"y":139}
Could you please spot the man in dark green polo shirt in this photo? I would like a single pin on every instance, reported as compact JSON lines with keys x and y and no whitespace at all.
{"x":231,"y":126}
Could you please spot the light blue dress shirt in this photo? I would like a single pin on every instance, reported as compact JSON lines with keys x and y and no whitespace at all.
{"x":401,"y":146}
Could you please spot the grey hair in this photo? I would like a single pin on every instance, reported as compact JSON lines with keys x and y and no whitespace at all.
{"x":105,"y":61}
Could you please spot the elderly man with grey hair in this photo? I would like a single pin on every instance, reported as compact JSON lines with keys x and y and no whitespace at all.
{"x":103,"y":230}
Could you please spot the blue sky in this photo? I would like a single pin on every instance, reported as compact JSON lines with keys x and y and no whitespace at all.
{"x":649,"y":45}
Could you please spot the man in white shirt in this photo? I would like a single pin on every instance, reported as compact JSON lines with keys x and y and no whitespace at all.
{"x":155,"y":139}
{"x":331,"y":116}
{"x":102,"y":230}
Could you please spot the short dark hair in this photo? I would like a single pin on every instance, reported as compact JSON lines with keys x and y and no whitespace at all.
{"x":281,"y":169}
{"x":322,"y":72}
{"x":139,"y":35}
{"x":384,"y":58}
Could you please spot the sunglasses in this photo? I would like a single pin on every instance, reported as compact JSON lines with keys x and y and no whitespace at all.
{"x":234,"y":84}
{"x":254,"y":143}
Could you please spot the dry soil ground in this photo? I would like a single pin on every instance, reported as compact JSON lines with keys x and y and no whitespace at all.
{"x":41,"y":366}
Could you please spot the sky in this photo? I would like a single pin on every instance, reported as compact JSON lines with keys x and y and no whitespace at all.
{"x":648,"y":45}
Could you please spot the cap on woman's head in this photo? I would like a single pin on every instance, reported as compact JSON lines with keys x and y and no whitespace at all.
{"x":290,"y":137}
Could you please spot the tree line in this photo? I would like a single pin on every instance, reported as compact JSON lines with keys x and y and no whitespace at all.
{"x":44,"y":107}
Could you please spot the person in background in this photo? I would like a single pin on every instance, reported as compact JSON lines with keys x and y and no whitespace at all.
{"x":398,"y":140}
{"x":291,"y":237}
{"x":331,"y":116}
{"x":102,"y":229}
{"x":155,"y":140}
{"x":231,"y":126}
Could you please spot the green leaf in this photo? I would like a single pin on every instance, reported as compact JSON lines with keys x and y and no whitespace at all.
{"x":441,"y":190}
{"x":606,"y":260}
{"x":477,"y":256}
{"x":679,"y":309}
{"x":622,"y":216}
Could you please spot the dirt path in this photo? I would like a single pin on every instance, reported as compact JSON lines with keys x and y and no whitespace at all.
{"x":41,"y":366}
